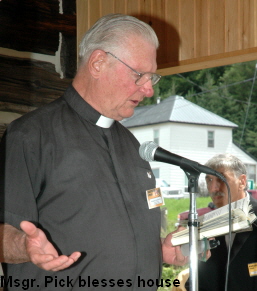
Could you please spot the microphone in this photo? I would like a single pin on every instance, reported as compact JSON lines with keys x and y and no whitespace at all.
{"x":150,"y":151}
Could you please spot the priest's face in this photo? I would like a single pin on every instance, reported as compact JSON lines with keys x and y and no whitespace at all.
{"x":119,"y":94}
{"x":218,"y":189}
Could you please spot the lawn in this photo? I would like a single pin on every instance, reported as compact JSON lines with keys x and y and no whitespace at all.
{"x":174,"y":207}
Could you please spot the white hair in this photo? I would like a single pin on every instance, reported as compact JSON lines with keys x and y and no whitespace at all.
{"x":111,"y":32}
{"x":228,"y":162}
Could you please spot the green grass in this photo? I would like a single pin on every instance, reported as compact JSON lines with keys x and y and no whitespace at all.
{"x":174,"y":207}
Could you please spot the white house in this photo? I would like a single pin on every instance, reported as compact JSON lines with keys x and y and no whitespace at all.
{"x":188,"y":130}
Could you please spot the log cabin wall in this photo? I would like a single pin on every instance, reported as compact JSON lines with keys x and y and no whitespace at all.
{"x":37,"y":54}
{"x":38,"y":41}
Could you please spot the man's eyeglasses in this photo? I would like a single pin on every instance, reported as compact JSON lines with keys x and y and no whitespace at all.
{"x":143,"y":77}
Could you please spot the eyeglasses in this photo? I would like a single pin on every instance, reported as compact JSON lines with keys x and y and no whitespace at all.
{"x":143,"y":77}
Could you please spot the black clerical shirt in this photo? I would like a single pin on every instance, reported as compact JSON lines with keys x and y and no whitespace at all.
{"x":85,"y":187}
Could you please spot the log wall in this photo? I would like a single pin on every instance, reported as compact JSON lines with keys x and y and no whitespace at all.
{"x":35,"y":28}
{"x":193,"y":34}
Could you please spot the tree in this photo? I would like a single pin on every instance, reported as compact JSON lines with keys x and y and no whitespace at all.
{"x":229,"y":91}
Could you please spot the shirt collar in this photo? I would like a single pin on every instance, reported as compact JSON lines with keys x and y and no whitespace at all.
{"x":104,"y":122}
{"x":85,"y":110}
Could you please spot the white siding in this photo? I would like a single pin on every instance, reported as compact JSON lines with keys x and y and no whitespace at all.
{"x":189,"y":141}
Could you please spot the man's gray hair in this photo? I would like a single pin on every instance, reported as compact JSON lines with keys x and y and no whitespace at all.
{"x":228,"y":162}
{"x":111,"y":32}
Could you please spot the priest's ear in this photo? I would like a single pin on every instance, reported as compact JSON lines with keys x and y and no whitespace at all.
{"x":243,"y":181}
{"x":96,"y":63}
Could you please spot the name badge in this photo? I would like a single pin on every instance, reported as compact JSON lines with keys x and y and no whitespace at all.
{"x":154,"y":198}
{"x":252,"y":269}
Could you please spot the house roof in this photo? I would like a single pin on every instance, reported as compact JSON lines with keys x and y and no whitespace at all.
{"x":175,"y":109}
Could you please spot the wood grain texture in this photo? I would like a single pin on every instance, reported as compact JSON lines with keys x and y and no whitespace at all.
{"x":2,"y":130}
{"x":34,"y":25}
{"x":29,"y":83}
{"x":217,"y":27}
{"x":188,"y":30}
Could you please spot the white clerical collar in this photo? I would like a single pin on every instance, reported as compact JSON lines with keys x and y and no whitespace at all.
{"x":104,"y":122}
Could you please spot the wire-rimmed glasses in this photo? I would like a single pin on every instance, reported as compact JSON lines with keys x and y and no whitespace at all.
{"x":143,"y":77}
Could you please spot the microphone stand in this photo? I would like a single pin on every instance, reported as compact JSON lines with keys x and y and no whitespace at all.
{"x":193,"y":176}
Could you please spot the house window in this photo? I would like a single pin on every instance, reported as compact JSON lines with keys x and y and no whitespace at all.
{"x":156,"y":136}
{"x":210,"y":139}
{"x":156,"y":173}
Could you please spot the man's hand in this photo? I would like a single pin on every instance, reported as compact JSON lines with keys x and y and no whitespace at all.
{"x":172,"y":255}
{"x":42,"y":253}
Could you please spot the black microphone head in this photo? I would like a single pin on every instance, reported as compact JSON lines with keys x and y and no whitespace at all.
{"x":147,"y":150}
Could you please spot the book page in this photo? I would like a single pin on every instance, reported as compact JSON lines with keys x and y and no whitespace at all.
{"x":216,"y":223}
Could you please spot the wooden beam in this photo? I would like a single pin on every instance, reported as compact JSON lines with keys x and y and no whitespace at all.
{"x":34,"y":26}
{"x":2,"y":130}
{"x":16,"y":108}
{"x":208,"y":62}
{"x":29,"y":83}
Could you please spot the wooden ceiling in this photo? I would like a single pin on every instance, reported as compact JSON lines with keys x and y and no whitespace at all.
{"x":193,"y":34}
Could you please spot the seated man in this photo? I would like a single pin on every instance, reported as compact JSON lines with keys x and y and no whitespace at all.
{"x":212,"y":274}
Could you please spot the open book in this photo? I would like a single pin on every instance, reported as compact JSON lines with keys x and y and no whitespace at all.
{"x":215,"y":223}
